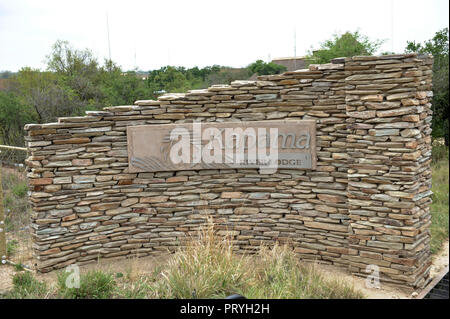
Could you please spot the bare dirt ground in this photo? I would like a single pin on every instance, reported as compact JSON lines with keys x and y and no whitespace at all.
{"x":6,"y":273}
{"x":388,"y":291}
{"x":440,"y":260}
{"x":134,"y":267}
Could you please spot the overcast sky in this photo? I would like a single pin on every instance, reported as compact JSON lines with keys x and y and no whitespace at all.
{"x":151,"y":34}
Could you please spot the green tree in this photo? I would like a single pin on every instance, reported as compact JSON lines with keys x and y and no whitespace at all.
{"x":168,"y":79}
{"x":226,"y":75}
{"x":77,"y":69}
{"x":6,"y":74}
{"x":64,"y":59}
{"x":73,"y":83}
{"x":180,"y":79}
{"x":13,"y":116}
{"x":90,"y":85}
{"x":262,"y":68}
{"x":48,"y":94}
{"x":438,"y":47}
{"x":121,"y":88}
{"x":345,"y":45}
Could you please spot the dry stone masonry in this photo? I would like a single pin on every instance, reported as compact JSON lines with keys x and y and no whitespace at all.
{"x":366,"y":202}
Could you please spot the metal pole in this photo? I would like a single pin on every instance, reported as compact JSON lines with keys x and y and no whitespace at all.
{"x":295,"y":47}
{"x":2,"y":224}
{"x":109,"y":45}
{"x":392,"y":26}
{"x":7,"y":147}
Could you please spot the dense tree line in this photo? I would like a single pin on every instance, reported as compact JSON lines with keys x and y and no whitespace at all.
{"x":344,"y":45}
{"x":75,"y":81}
{"x":351,"y":44}
{"x":438,"y":47}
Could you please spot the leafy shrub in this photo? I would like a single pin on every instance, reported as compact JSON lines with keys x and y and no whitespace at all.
{"x":439,"y":151}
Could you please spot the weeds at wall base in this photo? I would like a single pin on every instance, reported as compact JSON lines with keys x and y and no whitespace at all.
{"x":205,"y":268}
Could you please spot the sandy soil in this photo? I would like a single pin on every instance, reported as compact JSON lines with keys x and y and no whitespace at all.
{"x":388,"y":291}
{"x":135,"y":266}
{"x":6,"y":273}
{"x":440,"y":260}
{"x":131,"y":266}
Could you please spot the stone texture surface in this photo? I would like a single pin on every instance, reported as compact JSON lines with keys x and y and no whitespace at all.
{"x":367,"y":202}
{"x":389,"y":177}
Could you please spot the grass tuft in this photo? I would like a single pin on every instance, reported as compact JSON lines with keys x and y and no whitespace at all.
{"x":439,"y":208}
{"x":15,"y":201}
{"x":11,"y":247}
{"x":94,"y":284}
{"x":205,"y":268}
{"x":209,"y":268}
{"x":278,"y":274}
{"x":25,"y":286}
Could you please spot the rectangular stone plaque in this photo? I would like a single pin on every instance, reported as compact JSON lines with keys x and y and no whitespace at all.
{"x":211,"y":145}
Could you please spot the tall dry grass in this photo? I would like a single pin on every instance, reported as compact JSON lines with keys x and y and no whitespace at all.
{"x":439,"y":208}
{"x":208,"y":267}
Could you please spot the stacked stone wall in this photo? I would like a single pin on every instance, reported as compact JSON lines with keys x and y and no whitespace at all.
{"x":389,"y":181}
{"x":367,"y":202}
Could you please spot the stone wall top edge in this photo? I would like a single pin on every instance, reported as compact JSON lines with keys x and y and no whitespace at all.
{"x":271,"y":80}
{"x":263,"y":82}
